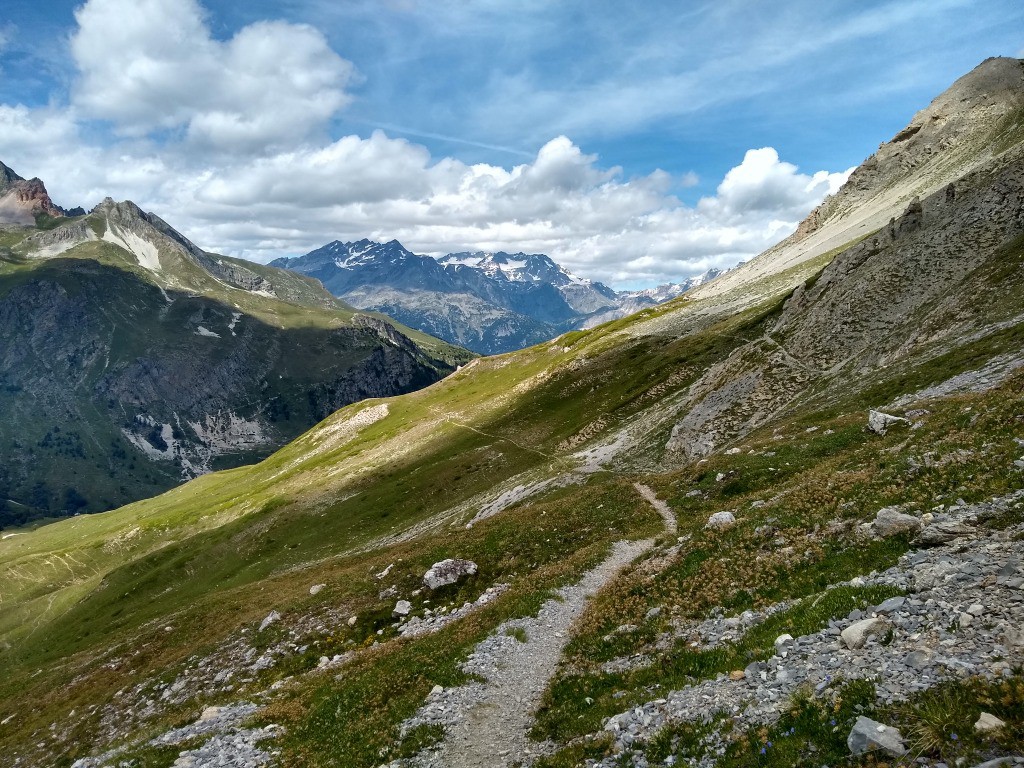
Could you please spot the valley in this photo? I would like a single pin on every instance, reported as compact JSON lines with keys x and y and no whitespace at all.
{"x":679,"y":521}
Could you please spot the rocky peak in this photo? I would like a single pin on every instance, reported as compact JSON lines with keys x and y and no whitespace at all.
{"x":21,"y":200}
{"x":7,"y":177}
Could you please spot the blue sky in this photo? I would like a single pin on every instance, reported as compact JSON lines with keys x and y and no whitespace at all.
{"x":635,"y":142}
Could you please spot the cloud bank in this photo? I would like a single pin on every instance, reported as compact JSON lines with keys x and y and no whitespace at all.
{"x":229,"y":140}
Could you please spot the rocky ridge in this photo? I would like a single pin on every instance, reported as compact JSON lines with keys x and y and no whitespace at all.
{"x":488,"y":302}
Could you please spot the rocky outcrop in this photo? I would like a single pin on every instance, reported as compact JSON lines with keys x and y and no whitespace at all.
{"x":22,"y":200}
{"x":448,"y":572}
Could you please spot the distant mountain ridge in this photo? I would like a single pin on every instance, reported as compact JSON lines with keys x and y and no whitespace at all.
{"x":487,"y":302}
{"x":131,"y":359}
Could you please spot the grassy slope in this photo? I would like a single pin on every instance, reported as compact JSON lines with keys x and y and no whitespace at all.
{"x":160,"y":312}
{"x":216,"y":555}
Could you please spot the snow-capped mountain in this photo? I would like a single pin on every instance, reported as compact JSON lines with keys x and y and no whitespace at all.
{"x":487,"y":302}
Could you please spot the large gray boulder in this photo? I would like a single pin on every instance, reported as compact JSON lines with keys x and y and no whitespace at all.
{"x":448,"y":572}
{"x":856,"y":635}
{"x":889,"y":521}
{"x":869,"y":735}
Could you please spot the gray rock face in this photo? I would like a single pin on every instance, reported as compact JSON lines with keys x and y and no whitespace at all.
{"x":869,"y":735}
{"x":856,"y":635}
{"x":942,"y":532}
{"x":879,"y":422}
{"x":891,"y":522}
{"x":270,"y":619}
{"x":447,"y":572}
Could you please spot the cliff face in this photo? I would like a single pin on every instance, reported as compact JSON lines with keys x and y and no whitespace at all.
{"x":21,"y":200}
{"x":131,"y":360}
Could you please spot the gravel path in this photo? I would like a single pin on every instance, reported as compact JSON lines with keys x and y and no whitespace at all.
{"x":487,"y":723}
{"x":660,"y":506}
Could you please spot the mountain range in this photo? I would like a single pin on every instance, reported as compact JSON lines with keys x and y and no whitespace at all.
{"x":486,"y":302}
{"x":131,"y":359}
{"x":776,"y":522}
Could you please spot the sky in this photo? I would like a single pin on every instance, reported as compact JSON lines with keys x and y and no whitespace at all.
{"x":635,"y":143}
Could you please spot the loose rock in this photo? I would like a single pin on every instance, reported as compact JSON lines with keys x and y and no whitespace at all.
{"x":721,"y":520}
{"x":869,"y":735}
{"x":856,"y":635}
{"x":448,"y":572}
{"x":879,"y":422}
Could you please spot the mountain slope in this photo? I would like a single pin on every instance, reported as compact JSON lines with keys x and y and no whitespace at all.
{"x":131,"y":360}
{"x":279,"y":583}
{"x":487,"y":302}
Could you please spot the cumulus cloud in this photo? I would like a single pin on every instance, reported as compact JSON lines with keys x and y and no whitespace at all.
{"x":562,"y":203}
{"x":153,"y":64}
{"x":226,"y":140}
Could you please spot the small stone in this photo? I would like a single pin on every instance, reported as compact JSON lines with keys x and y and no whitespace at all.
{"x":965,"y":620}
{"x":918,"y":659}
{"x":891,"y":605}
{"x":732,"y":451}
{"x":436,"y":690}
{"x":316,"y":588}
{"x":988,"y":723}
{"x":719,"y":477}
{"x":869,"y":735}
{"x":976,"y":610}
{"x":721,"y":520}
{"x":737,"y":674}
{"x":782,"y":640}
{"x":402,"y":608}
{"x":271,"y":618}
{"x":352,"y":620}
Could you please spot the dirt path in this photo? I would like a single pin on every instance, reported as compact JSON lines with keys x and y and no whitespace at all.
{"x":487,"y":723}
{"x":660,"y":506}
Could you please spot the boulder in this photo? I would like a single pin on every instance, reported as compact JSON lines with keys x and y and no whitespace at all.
{"x":782,"y":640}
{"x":448,"y":572}
{"x":942,"y":532}
{"x":889,"y":521}
{"x":721,"y":520}
{"x":869,"y":735}
{"x":402,"y":608}
{"x":988,"y":723}
{"x":879,"y":422}
{"x":856,"y":635}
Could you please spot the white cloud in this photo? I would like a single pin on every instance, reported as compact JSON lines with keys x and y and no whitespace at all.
{"x":764,"y":184}
{"x":562,"y":203}
{"x":223,"y":140}
{"x":153,"y":64}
